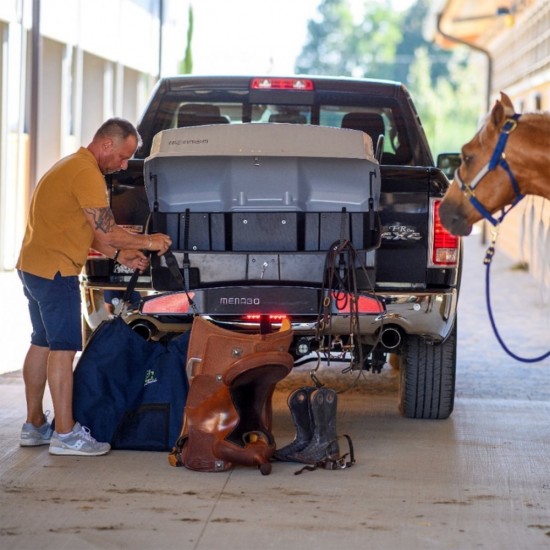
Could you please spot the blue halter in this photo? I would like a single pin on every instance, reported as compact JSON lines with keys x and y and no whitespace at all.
{"x":498,"y":158}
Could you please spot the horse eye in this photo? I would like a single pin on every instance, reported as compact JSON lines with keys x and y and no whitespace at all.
{"x":466,"y":159}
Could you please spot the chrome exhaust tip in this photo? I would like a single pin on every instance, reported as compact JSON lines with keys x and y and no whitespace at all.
{"x":144,"y":329}
{"x":391,"y":338}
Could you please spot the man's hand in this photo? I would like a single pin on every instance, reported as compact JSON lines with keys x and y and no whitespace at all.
{"x":108,"y":235}
{"x":134,"y":259}
{"x":159,"y":242}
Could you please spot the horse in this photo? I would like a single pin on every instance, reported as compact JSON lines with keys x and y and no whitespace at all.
{"x":506,"y":160}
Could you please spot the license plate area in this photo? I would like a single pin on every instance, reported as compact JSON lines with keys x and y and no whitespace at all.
{"x":261,"y":300}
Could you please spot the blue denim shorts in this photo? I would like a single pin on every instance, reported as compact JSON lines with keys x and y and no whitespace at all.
{"x":55,"y":310}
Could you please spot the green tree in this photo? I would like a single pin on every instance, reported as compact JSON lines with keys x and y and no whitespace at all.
{"x":340,"y":44}
{"x":450,"y":108}
{"x":385,"y":43}
{"x":379,"y":43}
{"x":186,"y":65}
{"x":413,"y":38}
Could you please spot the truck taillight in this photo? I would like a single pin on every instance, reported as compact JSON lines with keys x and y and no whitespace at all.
{"x":177,"y":302}
{"x":95,"y":254}
{"x":366,"y":305}
{"x":302,"y":84}
{"x":444,"y":249}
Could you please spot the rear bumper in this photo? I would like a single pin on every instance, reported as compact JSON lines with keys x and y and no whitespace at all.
{"x":430,"y":315}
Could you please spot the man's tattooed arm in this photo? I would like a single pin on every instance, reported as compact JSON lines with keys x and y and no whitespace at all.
{"x":103,"y":218}
{"x":110,"y":237}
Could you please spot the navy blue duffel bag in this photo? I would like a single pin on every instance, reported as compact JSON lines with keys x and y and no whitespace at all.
{"x":129,"y":391}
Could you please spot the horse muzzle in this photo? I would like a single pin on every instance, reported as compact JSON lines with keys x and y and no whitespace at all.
{"x":453,"y":216}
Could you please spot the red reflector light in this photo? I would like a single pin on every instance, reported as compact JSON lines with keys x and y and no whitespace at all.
{"x":302,"y":84}
{"x":365,"y":304}
{"x":274,"y":318}
{"x":445,"y":246}
{"x":168,"y":303}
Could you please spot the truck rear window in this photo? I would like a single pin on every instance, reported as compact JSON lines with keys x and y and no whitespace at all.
{"x":376,"y":116}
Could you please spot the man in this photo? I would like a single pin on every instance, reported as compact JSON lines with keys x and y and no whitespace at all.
{"x":69,"y":213}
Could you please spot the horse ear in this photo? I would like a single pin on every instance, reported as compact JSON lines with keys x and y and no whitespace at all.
{"x":503,"y":108}
{"x":507,"y":102}
{"x":497,"y":114}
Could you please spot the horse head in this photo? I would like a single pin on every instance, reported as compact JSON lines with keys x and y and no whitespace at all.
{"x":486,"y":180}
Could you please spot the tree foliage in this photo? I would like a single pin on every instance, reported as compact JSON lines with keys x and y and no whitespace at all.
{"x":384,"y":43}
{"x":413,"y":39}
{"x":449,"y":108}
{"x":339,"y":44}
{"x":186,"y":65}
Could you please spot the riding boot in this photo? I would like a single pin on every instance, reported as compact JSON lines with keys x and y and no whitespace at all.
{"x":300,"y":411}
{"x":324,"y":441}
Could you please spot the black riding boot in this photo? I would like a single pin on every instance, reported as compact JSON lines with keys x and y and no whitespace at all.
{"x":300,"y":409}
{"x":324,"y":441}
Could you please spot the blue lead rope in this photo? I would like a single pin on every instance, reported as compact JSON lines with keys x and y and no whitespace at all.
{"x":487,"y":261}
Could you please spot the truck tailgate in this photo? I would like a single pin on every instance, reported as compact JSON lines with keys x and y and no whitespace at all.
{"x":405,"y":219}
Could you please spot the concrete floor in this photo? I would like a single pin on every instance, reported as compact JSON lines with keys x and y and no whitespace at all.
{"x":478,"y":480}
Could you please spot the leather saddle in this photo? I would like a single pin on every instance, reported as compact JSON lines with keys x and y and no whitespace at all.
{"x":228,"y":414}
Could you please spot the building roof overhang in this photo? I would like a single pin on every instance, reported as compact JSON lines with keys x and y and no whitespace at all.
{"x":475,"y":23}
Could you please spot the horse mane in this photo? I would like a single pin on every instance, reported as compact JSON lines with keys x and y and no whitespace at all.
{"x":539,"y":125}
{"x":537,"y":121}
{"x":527,"y":151}
{"x":503,"y":109}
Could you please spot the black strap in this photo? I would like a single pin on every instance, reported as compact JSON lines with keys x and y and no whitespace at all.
{"x":127,"y":296}
{"x":172,"y":265}
{"x":186,"y":262}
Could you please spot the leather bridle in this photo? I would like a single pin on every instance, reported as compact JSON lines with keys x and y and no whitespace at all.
{"x":498,"y":158}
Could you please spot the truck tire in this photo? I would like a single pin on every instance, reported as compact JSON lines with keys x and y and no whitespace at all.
{"x":427,"y":378}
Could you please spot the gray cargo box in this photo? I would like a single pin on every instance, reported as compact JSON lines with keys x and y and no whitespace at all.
{"x":276,"y":194}
{"x":225,"y":168}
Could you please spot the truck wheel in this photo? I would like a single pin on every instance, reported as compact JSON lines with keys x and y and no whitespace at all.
{"x":427,"y":378}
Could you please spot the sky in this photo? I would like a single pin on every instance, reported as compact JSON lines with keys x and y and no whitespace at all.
{"x":253,"y":36}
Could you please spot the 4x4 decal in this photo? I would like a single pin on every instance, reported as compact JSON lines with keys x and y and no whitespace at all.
{"x":400,"y":232}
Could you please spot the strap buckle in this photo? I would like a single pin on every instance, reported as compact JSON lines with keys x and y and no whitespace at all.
{"x":509,"y":126}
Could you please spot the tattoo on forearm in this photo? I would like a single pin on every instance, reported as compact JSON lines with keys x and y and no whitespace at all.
{"x":103,"y":218}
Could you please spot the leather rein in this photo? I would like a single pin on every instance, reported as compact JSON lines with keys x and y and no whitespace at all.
{"x":498,"y":158}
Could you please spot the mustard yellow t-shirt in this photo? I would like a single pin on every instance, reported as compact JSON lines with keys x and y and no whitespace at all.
{"x":58,"y":235}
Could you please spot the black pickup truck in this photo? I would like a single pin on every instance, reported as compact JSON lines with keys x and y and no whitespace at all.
{"x":310,"y":198}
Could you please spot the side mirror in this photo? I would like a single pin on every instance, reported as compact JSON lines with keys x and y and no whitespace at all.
{"x":448,"y":163}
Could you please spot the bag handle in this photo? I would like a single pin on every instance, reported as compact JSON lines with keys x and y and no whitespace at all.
{"x":127,"y":296}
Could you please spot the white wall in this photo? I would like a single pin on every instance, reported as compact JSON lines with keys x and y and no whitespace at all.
{"x":100,"y":58}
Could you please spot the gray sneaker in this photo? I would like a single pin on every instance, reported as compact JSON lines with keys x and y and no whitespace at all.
{"x":78,"y":443}
{"x":31,"y":436}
